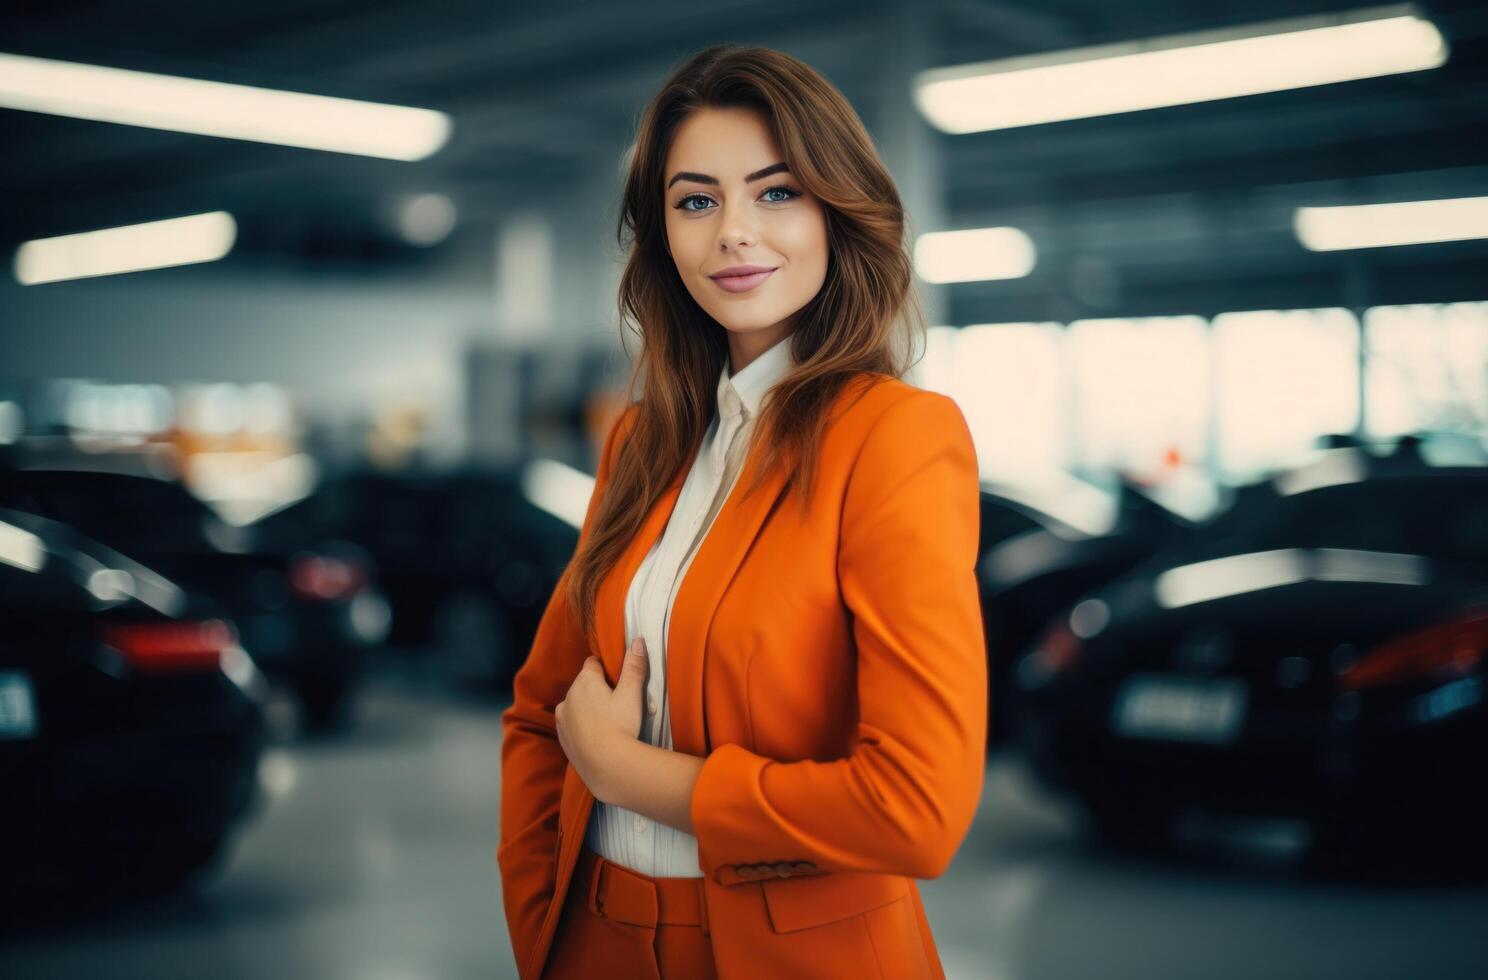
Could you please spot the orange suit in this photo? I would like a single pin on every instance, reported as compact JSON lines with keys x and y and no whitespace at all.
{"x":831,"y":671}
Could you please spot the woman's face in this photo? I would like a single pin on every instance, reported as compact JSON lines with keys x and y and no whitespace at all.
{"x":727,"y":205}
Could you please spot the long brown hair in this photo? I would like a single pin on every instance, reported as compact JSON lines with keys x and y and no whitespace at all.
{"x":863,"y":321}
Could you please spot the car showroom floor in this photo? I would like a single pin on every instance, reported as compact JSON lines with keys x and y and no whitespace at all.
{"x":374,"y":859}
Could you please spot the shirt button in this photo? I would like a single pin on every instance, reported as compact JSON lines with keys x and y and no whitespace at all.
{"x":650,"y":705}
{"x":640,"y":824}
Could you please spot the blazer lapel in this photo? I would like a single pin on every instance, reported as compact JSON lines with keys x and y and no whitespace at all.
{"x":734,"y":529}
{"x":718,"y":557}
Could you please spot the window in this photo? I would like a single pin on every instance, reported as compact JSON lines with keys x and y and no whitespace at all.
{"x":1283,"y":378}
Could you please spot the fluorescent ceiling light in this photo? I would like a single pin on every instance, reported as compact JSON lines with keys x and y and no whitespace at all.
{"x":974,"y":254}
{"x":1327,"y":229}
{"x":1179,"y":69}
{"x":152,"y":245}
{"x":194,"y":105}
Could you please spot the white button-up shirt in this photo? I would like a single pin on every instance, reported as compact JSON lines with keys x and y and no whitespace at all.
{"x":622,"y":835}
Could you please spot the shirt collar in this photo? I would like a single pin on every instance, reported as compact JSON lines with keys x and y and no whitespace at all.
{"x":748,"y":387}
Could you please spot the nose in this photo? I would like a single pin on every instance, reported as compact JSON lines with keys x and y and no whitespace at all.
{"x":737,"y":227}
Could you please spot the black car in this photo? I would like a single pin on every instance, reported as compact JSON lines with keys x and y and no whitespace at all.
{"x":1321,"y":656}
{"x":1034,"y":560}
{"x":466,"y":559}
{"x":308,"y":608}
{"x":131,"y":720}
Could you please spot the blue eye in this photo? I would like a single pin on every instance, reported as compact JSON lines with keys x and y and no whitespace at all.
{"x":790,"y":192}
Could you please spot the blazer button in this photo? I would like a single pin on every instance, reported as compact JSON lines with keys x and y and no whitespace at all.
{"x":802,"y":866}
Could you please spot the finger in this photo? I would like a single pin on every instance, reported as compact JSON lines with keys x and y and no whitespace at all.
{"x":633,"y":670}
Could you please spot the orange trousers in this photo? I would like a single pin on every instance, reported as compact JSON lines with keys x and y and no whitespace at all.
{"x":622,"y":924}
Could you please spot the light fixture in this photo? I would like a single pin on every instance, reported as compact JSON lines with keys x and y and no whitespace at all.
{"x":1195,"y":67}
{"x":973,"y":254}
{"x":131,"y":248}
{"x":426,"y":219}
{"x":1327,"y":229}
{"x":195,"y":105}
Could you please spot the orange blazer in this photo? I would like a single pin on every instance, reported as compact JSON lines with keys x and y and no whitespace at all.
{"x":831,"y":671}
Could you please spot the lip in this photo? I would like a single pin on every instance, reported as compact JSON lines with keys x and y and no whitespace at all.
{"x":741,"y":278}
{"x":740,"y":270}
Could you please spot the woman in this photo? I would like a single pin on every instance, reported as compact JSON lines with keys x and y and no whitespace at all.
{"x":755,"y":708}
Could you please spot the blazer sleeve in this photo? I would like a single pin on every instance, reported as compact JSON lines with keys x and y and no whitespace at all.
{"x":532,"y":761}
{"x":903,"y":799}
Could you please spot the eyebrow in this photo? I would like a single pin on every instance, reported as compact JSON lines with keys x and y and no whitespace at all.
{"x":773,"y":168}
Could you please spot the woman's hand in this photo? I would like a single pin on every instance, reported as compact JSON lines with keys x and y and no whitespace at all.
{"x":595,"y":721}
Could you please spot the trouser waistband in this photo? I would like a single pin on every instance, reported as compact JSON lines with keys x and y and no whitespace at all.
{"x":619,"y":893}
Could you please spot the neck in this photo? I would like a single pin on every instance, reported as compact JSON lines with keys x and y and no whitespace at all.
{"x":745,"y":347}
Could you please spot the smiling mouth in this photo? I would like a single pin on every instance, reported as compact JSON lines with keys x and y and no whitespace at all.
{"x":741,"y":284}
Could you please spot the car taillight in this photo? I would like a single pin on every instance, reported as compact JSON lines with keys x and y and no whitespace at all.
{"x":1446,"y":649}
{"x":1060,"y":647}
{"x":1057,"y":648}
{"x":170,"y":648}
{"x":322,"y":577}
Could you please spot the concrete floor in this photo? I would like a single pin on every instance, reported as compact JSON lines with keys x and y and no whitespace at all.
{"x":375,"y":860}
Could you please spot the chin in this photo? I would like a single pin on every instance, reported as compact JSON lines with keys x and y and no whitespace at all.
{"x":753,"y":324}
{"x":746,"y":317}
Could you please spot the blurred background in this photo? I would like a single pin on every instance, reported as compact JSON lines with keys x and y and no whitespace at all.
{"x":308,"y":339}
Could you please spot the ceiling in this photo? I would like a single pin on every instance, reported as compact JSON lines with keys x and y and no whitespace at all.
{"x":1184,"y":209}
